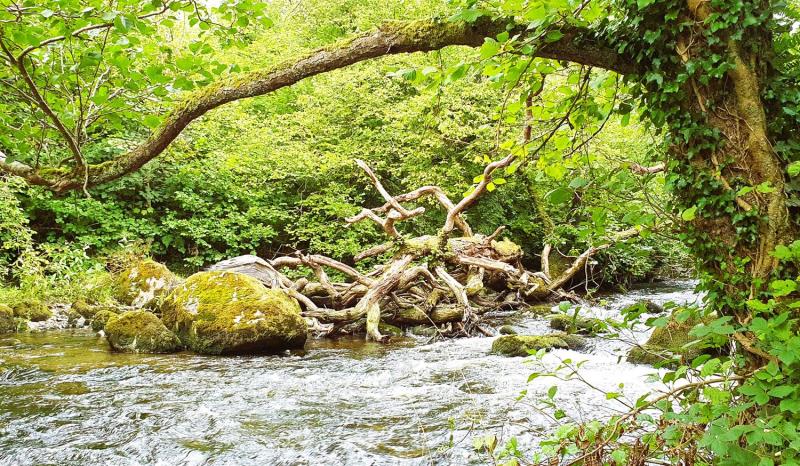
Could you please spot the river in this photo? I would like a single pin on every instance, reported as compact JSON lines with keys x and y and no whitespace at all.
{"x":65,"y":399}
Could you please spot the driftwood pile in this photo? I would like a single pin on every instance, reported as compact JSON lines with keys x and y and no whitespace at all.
{"x":443,"y":280}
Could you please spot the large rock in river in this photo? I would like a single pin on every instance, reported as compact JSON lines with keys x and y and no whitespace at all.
{"x":140,"y":332}
{"x":232,"y":313}
{"x":142,"y":283}
{"x":668,"y":343}
{"x":522,"y":345}
{"x":33,"y":310}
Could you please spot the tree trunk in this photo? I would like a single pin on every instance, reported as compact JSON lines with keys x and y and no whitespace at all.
{"x":734,"y":231}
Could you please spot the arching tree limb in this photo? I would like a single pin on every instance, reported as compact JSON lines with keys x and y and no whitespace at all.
{"x":576,"y":45}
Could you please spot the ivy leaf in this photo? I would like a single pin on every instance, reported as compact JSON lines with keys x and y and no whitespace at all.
{"x":152,"y":121}
{"x":619,"y":456}
{"x":689,"y":214}
{"x":468,"y":15}
{"x":794,"y":169}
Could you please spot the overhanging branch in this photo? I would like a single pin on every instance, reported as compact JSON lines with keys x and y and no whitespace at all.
{"x":576,"y":45}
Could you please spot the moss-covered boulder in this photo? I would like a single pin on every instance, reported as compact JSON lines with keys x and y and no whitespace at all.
{"x":232,"y":313}
{"x":521,"y":345}
{"x":33,"y":310}
{"x":86,"y":310}
{"x":140,"y":332}
{"x":141,"y":284}
{"x":101,"y":318}
{"x":7,"y":322}
{"x":582,"y":325}
{"x":666,"y":343}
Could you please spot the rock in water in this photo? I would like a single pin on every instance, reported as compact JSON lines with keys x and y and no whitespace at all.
{"x":520,"y":345}
{"x":582,"y":325}
{"x":667,"y":343}
{"x":233,"y":313}
{"x":101,"y":318}
{"x":644,"y":306}
{"x":33,"y":310}
{"x":139,"y":285}
{"x":7,"y":322}
{"x":507,"y":330}
{"x":140,"y":332}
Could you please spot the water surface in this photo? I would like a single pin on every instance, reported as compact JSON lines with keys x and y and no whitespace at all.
{"x":65,"y":399}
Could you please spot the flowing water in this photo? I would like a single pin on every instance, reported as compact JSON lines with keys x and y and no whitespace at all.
{"x":65,"y":399}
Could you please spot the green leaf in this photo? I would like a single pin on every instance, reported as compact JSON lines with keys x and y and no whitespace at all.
{"x":489,"y":48}
{"x":619,"y":456}
{"x":783,"y":287}
{"x":791,"y":404}
{"x":553,"y":36}
{"x":781,"y":391}
{"x":765,"y":188}
{"x":794,"y":169}
{"x":468,"y":15}
{"x":559,"y":195}
{"x":689,"y":214}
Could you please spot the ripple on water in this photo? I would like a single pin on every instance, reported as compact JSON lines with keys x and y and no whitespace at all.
{"x":66,"y":400}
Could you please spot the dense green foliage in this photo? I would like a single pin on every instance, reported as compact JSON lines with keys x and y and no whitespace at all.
{"x":275,"y":174}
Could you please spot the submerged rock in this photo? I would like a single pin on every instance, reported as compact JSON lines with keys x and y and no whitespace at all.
{"x":141,"y":284}
{"x":71,"y":388}
{"x":232,"y":313}
{"x":101,"y":318}
{"x":140,"y":332}
{"x":540,"y":309}
{"x":521,"y":345}
{"x":33,"y":310}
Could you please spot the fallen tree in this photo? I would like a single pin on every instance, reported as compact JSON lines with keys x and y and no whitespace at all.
{"x":435,"y":280}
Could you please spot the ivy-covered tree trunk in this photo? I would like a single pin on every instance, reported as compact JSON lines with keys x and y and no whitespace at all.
{"x":710,"y":79}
